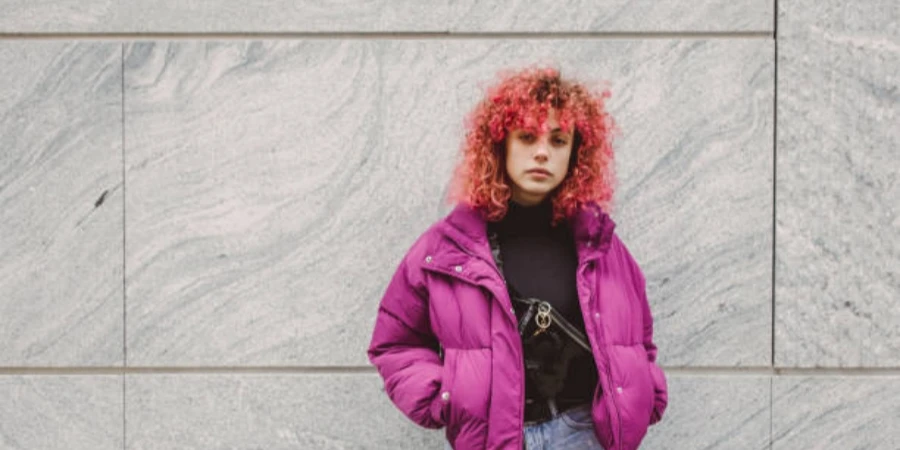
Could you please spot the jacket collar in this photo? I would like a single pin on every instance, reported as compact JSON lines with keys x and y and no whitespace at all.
{"x":591,"y":226}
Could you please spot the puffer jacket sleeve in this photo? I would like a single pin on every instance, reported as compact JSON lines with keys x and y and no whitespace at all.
{"x":404,"y":349}
{"x":661,"y":397}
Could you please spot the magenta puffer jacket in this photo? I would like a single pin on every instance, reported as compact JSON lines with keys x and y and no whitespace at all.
{"x":448,"y":294}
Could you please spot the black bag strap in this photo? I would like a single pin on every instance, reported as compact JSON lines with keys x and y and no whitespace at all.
{"x":533,"y":304}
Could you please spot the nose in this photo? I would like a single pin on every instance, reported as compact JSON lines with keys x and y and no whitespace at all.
{"x":541,"y":152}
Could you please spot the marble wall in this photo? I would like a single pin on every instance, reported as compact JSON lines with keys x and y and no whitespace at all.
{"x":201,"y":203}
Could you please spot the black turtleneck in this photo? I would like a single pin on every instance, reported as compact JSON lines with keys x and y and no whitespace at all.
{"x":540,"y":260}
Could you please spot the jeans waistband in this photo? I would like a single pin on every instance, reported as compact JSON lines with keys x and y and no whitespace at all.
{"x":554,"y":412}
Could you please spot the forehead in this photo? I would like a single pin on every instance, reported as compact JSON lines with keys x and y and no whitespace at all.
{"x":552,"y":117}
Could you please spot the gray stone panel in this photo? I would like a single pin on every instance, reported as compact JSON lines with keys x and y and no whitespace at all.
{"x":290,"y":411}
{"x":258,"y":231}
{"x":60,"y":204}
{"x":273,"y":187}
{"x":833,"y":413}
{"x":838,"y":194}
{"x":611,"y":15}
{"x":216,"y":16}
{"x":58,"y":16}
{"x":282,"y":16}
{"x":713,"y":412}
{"x":810,"y":19}
{"x":61,"y":412}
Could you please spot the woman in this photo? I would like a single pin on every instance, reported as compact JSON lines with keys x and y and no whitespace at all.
{"x":457,"y":340}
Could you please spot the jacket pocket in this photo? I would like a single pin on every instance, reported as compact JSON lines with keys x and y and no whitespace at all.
{"x":440,"y":407}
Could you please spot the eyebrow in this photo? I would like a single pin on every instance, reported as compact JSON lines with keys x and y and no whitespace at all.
{"x":555,"y":130}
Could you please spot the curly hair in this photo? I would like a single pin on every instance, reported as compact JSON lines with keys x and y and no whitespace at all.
{"x":523,"y":99}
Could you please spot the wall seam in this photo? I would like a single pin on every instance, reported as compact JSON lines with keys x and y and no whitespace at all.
{"x":774,"y":214}
{"x":753,"y":34}
{"x":124,"y":259}
{"x":774,"y":172}
{"x":823,"y":372}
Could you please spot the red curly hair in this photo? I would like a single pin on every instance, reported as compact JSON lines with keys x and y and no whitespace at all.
{"x":522,"y":99}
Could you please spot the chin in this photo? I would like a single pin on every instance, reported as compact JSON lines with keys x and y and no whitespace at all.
{"x":539,"y":188}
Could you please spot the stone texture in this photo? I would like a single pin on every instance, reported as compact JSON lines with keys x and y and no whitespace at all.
{"x":826,"y":20}
{"x":290,"y":411}
{"x":838,"y":194}
{"x":282,"y":16}
{"x":61,"y":203}
{"x":55,"y":412}
{"x":58,"y":16}
{"x":205,"y":16}
{"x":615,"y":15}
{"x":255,"y":223}
{"x":712,"y":412}
{"x":273,"y":187}
{"x":826,"y":413}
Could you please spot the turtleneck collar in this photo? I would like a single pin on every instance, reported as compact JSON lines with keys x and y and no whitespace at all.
{"x":527,"y":219}
{"x":465,"y":225}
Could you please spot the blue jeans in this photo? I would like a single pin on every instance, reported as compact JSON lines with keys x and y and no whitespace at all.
{"x":572,"y":429}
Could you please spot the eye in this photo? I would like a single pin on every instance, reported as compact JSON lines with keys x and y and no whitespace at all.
{"x":560,"y":140}
{"x":526,"y":137}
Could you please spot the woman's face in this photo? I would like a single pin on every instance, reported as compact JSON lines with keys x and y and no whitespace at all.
{"x":536,"y":164}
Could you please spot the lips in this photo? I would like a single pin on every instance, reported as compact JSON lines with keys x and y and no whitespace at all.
{"x":539,"y":172}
